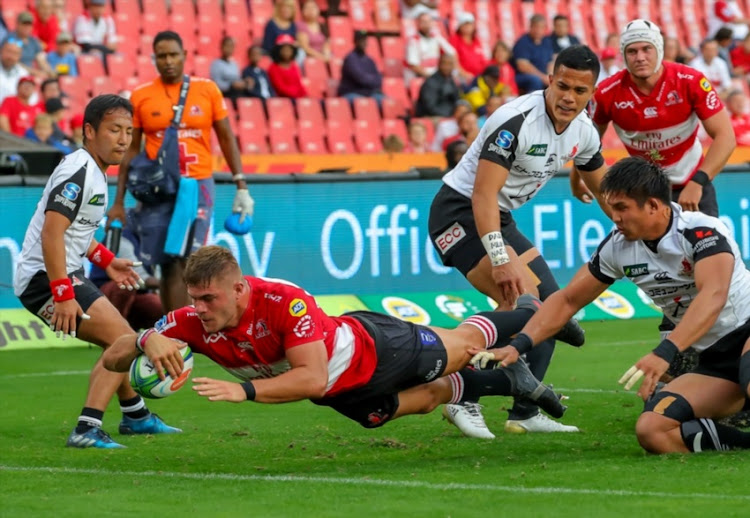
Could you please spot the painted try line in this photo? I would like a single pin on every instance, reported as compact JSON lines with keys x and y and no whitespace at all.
{"x":374,"y":482}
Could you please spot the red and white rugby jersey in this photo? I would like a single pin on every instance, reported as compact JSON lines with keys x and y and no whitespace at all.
{"x":279,"y":316}
{"x":662,"y":126}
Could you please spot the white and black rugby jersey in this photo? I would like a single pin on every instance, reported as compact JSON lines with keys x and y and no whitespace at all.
{"x":521,"y":137}
{"x":76,"y":189}
{"x":665,"y":269}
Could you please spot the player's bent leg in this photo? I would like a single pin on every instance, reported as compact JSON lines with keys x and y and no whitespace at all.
{"x":679,"y":418}
{"x":173,"y":291}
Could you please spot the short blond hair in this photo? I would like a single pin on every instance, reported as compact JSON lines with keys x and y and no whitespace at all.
{"x":210,"y":263}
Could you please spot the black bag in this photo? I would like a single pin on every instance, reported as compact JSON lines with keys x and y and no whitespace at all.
{"x":157,"y":180}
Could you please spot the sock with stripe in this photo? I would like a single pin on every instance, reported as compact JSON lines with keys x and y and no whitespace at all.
{"x":89,"y":418}
{"x":135,"y":408}
{"x":705,"y":434}
{"x":469,"y":384}
{"x":498,"y":326}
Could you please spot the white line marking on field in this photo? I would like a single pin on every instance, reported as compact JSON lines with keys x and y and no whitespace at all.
{"x":375,"y":482}
{"x":44,"y":374}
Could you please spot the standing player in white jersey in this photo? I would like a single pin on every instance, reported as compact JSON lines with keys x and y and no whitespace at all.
{"x":656,"y":108}
{"x":50,"y":281}
{"x":520,"y":147}
{"x":691,"y":267}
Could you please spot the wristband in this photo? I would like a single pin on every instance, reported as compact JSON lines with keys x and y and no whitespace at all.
{"x":62,"y":290}
{"x":495,"y":247}
{"x":523,"y":343}
{"x":140,"y":342}
{"x":249,"y":390}
{"x":238,"y":177}
{"x":666,"y":350}
{"x":701,"y":178}
{"x":101,"y":256}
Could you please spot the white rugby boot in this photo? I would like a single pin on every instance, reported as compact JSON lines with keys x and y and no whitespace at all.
{"x":539,"y":423}
{"x":468,"y":418}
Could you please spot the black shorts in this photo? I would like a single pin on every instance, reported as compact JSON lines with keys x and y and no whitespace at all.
{"x":408,"y":355}
{"x":722,"y":359}
{"x":37,"y":296}
{"x":708,"y":204}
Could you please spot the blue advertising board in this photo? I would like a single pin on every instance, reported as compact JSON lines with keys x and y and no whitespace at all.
{"x":371,"y":237}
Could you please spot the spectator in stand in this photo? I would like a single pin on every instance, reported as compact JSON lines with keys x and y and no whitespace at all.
{"x":424,"y":48}
{"x":483,"y":87}
{"x":311,"y":35}
{"x":76,"y":131}
{"x":3,"y":28}
{"x":46,"y":26}
{"x":282,"y":22}
{"x":32,"y":54}
{"x":359,"y":75}
{"x":454,"y":152}
{"x":501,"y":57}
{"x":417,"y":133}
{"x":608,"y":62}
{"x":284,"y":73}
{"x":740,"y":56}
{"x":94,"y":32}
{"x":468,"y":129}
{"x":256,"y":79}
{"x":471,"y":55}
{"x":55,"y":109}
{"x":225,"y":72}
{"x":11,"y":70}
{"x":560,"y":38}
{"x":713,"y":67}
{"x":17,"y":112}
{"x":393,"y":144}
{"x":439,"y":92}
{"x":50,"y":89}
{"x":412,"y":9}
{"x":724,"y":39}
{"x":43,"y":132}
{"x":447,"y":128}
{"x":727,"y":14}
{"x":675,"y":51}
{"x":493,"y":103}
{"x":60,"y":9}
{"x":62,"y":60}
{"x":737,"y":106}
{"x":533,"y":57}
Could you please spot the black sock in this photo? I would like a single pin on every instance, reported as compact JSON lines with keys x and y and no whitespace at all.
{"x":483,"y":383}
{"x":135,"y":408}
{"x":501,"y":326}
{"x":705,"y":434}
{"x":89,"y":418}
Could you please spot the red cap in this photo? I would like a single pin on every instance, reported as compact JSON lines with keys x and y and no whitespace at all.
{"x":30,"y":79}
{"x":285,"y":39}
{"x":76,"y":121}
{"x":608,"y":53}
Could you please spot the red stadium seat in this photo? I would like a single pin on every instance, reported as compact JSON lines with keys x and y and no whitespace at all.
{"x":251,"y":111}
{"x":202,"y":66}
{"x":183,"y":22}
{"x":338,"y":109}
{"x":366,"y":108}
{"x":393,"y":109}
{"x":77,"y":88}
{"x":334,"y":65}
{"x":312,"y":140}
{"x":120,"y":66}
{"x":360,"y":15}
{"x":366,"y":137}
{"x":128,"y":27}
{"x":131,"y":83}
{"x":145,"y":44}
{"x":232,"y":117}
{"x":309,"y":113}
{"x":251,"y":140}
{"x":236,"y":8}
{"x":315,"y":89}
{"x":316,"y":70}
{"x":153,"y":23}
{"x":282,"y":140}
{"x":393,"y":87}
{"x":387,"y":16}
{"x":341,"y":27}
{"x":90,"y":66}
{"x":238,"y":29}
{"x":393,"y":47}
{"x":373,"y":50}
{"x":145,"y":68}
{"x":211,"y":7}
{"x":332,"y":89}
{"x":105,"y":85}
{"x":414,"y":86}
{"x":339,"y":137}
{"x":395,"y":127}
{"x":281,"y":115}
{"x":158,"y":7}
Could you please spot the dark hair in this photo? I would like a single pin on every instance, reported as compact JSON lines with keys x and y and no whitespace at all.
{"x":578,"y":57}
{"x":639,"y":179}
{"x":725,"y":33}
{"x":47,"y":82}
{"x":225,"y":40}
{"x":276,"y":52}
{"x":166,"y":36}
{"x":559,"y":17}
{"x":457,"y":147}
{"x":101,"y":105}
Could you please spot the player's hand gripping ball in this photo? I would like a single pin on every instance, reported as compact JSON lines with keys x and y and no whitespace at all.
{"x":145,"y":381}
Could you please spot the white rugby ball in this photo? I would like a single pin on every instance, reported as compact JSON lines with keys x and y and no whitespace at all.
{"x":145,"y":380}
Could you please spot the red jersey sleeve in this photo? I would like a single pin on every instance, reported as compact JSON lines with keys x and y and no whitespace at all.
{"x":705,"y":100}
{"x":182,"y":324}
{"x":600,"y":113}
{"x":299,"y":319}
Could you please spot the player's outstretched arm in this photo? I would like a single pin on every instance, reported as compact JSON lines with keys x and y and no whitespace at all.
{"x":307,"y":379}
{"x":164,"y":353}
{"x":593,"y":180}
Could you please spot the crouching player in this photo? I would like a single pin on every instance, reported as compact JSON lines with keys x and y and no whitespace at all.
{"x":691,"y":267}
{"x":370,"y":367}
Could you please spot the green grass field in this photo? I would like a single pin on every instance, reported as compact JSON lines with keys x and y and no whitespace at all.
{"x":302,"y":460}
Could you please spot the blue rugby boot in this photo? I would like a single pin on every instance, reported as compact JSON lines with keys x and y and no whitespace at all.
{"x":152,"y":424}
{"x":92,"y":438}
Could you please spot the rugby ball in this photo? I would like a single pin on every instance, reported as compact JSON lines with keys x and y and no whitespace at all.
{"x":145,"y":381}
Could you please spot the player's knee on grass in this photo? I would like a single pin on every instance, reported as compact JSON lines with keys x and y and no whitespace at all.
{"x":662,"y":413}
{"x":745,"y":373}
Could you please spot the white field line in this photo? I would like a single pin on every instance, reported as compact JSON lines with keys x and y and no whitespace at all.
{"x":364,"y":482}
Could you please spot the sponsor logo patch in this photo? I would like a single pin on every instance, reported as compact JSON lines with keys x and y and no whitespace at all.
{"x":624,"y":105}
{"x":97,"y":199}
{"x":305,"y":327}
{"x":712,"y":100}
{"x":537,"y":150}
{"x":427,"y":337}
{"x":636,"y":270}
{"x":450,"y":237}
{"x":297,"y":308}
{"x":650,"y":112}
{"x":455,"y":307}
{"x":71,"y":191}
{"x":705,"y":85}
{"x":405,"y":310}
{"x":505,"y":139}
{"x":614,"y":304}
